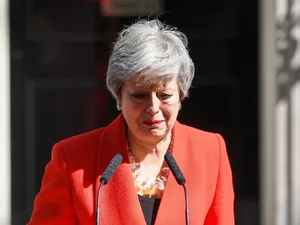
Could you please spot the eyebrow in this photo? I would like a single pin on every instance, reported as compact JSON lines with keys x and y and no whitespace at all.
{"x":147,"y":90}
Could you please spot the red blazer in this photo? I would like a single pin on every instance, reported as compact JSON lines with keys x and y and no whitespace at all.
{"x":69,"y":188}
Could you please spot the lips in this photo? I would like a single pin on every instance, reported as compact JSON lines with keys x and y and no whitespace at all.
{"x":152,"y":122}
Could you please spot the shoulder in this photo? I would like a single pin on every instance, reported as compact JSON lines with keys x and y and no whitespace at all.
{"x":199,"y":136}
{"x":201,"y":143}
{"x":207,"y":149}
{"x":193,"y":131}
{"x":81,"y":145}
{"x":90,"y":136}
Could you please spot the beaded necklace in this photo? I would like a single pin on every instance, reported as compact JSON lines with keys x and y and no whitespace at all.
{"x":143,"y":184}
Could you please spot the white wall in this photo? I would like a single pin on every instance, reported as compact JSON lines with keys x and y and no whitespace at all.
{"x":280,"y":112}
{"x":267,"y":112}
{"x":5,"y":204}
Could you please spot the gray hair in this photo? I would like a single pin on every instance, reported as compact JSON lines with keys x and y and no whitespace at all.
{"x":150,"y":50}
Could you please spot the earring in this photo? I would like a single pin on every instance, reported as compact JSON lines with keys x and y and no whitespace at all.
{"x":119,"y":107}
{"x":180,"y":106}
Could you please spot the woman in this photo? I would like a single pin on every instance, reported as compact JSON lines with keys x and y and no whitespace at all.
{"x":149,"y":74}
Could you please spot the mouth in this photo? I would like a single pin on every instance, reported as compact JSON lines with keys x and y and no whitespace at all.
{"x":152,"y":122}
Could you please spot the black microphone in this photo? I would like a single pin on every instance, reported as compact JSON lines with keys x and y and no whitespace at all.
{"x":107,"y":174}
{"x":180,"y":180}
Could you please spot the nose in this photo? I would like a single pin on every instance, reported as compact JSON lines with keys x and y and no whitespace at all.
{"x":153,"y":105}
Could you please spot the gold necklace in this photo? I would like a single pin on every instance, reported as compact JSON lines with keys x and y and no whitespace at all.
{"x":143,"y":184}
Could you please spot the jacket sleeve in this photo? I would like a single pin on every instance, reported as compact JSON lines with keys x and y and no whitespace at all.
{"x":53,"y":204}
{"x":221,"y":211}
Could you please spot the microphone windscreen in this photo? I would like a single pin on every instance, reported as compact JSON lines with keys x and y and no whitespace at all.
{"x":174,"y":168}
{"x":111,"y":168}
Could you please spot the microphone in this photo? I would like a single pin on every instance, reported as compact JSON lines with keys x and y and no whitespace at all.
{"x":180,"y":180}
{"x":107,"y":174}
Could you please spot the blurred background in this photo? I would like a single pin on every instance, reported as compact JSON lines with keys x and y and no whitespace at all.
{"x":53,"y":64}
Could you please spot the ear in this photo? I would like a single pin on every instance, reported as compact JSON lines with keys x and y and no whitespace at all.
{"x":118,"y":100}
{"x":118,"y":96}
{"x":181,"y":95}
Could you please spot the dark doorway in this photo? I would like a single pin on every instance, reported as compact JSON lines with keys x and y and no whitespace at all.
{"x":59,"y":53}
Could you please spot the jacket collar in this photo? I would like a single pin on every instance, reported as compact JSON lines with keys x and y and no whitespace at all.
{"x":119,"y":200}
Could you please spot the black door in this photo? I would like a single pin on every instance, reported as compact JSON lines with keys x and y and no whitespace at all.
{"x":59,"y":53}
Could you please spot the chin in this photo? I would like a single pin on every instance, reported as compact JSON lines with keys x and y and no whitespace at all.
{"x":155,"y":134}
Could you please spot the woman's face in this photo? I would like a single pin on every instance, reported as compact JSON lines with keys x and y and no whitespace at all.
{"x":150,"y":114}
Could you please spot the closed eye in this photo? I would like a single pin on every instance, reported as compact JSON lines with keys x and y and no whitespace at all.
{"x":139,"y":95}
{"x":165,"y":96}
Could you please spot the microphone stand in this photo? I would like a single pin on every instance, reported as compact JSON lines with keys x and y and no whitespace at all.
{"x":187,"y":217}
{"x":107,"y":174}
{"x":98,"y":203}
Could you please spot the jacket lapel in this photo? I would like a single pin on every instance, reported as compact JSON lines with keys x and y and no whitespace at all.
{"x":119,"y":200}
{"x":172,"y":206}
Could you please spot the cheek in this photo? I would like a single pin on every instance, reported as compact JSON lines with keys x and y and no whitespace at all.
{"x":171,"y":110}
{"x":131,"y":111}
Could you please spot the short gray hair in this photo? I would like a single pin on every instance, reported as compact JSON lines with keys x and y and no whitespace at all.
{"x":150,"y":50}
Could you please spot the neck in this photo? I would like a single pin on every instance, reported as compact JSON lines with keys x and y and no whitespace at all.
{"x":142,"y":149}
